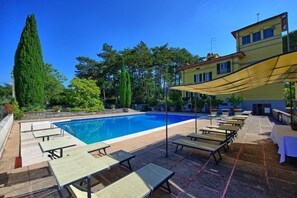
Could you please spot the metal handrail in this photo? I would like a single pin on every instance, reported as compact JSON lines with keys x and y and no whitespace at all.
{"x":70,"y":130}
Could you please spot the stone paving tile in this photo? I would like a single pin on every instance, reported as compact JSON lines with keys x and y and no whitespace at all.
{"x":213,"y":181}
{"x":251,"y":174}
{"x":195,"y":189}
{"x":197,"y":175}
{"x":281,"y":174}
{"x":282,"y":188}
{"x":185,"y":172}
{"x":242,"y":190}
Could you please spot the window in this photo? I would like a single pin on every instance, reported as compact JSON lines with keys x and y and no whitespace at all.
{"x":198,"y":78}
{"x":189,"y":95}
{"x":223,"y":68}
{"x":268,"y":32}
{"x":246,"y":39}
{"x":256,"y":36}
{"x":207,"y":76}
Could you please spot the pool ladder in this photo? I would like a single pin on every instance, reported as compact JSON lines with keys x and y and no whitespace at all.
{"x":70,"y":130}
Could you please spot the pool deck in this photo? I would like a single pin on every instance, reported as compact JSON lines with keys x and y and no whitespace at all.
{"x":250,"y":168}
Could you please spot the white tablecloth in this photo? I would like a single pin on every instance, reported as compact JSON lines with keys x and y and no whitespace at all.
{"x":286,"y":139}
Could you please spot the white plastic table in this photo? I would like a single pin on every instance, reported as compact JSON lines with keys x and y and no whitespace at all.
{"x":286,"y":138}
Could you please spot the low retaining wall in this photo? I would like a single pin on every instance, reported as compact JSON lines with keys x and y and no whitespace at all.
{"x":50,"y":114}
{"x":5,"y":128}
{"x":281,"y":116}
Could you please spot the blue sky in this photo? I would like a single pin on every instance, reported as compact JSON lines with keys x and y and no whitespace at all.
{"x":71,"y":28}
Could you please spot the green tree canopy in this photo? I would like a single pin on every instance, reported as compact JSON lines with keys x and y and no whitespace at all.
{"x":28,"y":68}
{"x":53,"y":86}
{"x":292,"y":41}
{"x":84,"y":94}
{"x":150,"y":69}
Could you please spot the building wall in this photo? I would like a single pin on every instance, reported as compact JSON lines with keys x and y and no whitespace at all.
{"x":263,"y":48}
{"x":254,"y":51}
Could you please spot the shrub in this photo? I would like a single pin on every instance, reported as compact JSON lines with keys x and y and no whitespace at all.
{"x":17,"y":112}
{"x":36,"y":107}
{"x":84,"y":94}
{"x":8,"y":108}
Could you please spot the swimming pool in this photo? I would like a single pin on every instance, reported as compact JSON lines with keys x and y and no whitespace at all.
{"x":105,"y":128}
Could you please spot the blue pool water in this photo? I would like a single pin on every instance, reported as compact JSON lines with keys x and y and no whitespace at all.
{"x":100,"y":129}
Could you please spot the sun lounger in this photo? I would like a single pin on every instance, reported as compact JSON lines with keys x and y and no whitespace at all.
{"x":211,"y":148}
{"x":117,"y":157}
{"x":213,"y":130}
{"x":58,"y":144}
{"x":140,"y":183}
{"x":212,"y":126}
{"x":219,"y":139}
{"x":246,"y":113}
{"x":98,"y":146}
{"x":46,"y":133}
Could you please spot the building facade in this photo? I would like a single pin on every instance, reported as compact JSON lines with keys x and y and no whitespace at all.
{"x":254,"y":43}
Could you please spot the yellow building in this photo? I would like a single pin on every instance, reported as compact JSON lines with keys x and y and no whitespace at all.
{"x":254,"y":43}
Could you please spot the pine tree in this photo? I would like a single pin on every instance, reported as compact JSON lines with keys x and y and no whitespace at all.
{"x":28,"y":68}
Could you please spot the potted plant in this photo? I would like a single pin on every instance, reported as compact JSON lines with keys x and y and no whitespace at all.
{"x":294,"y":116}
{"x":234,"y":101}
{"x":171,"y":105}
{"x":112,"y":106}
{"x":199,"y":104}
{"x":215,"y":103}
{"x":57,"y":108}
{"x":152,"y":102}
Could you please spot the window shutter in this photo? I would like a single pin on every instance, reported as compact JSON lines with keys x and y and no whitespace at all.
{"x":210,"y":76}
{"x":228,"y":66}
{"x":218,"y":68}
{"x":195,"y":79}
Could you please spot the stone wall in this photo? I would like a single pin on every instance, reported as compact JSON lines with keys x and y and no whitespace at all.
{"x":5,"y":128}
{"x":281,"y":116}
{"x":51,"y":114}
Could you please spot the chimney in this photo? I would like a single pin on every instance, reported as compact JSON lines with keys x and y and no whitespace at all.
{"x":211,"y":56}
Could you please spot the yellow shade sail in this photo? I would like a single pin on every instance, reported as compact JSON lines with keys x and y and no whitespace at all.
{"x":277,"y":69}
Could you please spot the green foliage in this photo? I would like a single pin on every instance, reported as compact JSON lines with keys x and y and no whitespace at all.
{"x":17,"y":112}
{"x":125,"y":87}
{"x":28,"y":68}
{"x":199,"y":103}
{"x":33,"y":108}
{"x":5,"y":91}
{"x":293,"y":41}
{"x":53,"y":86}
{"x":151,"y":101}
{"x":234,"y":101}
{"x":85,"y":95}
{"x":5,"y":94}
{"x":216,"y":102}
{"x":175,"y":96}
{"x":287,"y":93}
{"x":150,"y":69}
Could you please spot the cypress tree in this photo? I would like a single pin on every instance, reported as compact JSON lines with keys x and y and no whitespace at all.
{"x":28,"y":68}
{"x":125,"y":87}
{"x":129,"y":93}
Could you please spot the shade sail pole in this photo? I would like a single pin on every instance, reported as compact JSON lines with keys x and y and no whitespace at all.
{"x":291,"y":103}
{"x":166,"y":92}
{"x":195,"y":112}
